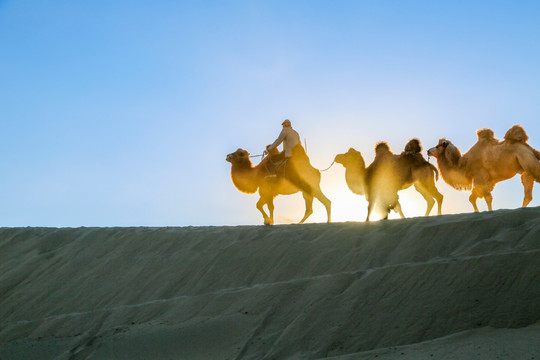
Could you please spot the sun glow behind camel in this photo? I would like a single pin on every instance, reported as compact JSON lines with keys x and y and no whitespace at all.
{"x":347,"y":206}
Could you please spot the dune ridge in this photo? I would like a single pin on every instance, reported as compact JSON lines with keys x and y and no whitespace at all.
{"x":388,"y":289}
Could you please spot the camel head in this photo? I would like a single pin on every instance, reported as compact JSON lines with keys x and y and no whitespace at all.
{"x":350,"y":157}
{"x":242,"y":174}
{"x":413,"y":147}
{"x":239,"y":157}
{"x":438,"y":150}
{"x":445,"y":151}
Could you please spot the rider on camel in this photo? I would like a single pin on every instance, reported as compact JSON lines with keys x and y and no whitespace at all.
{"x":290,"y":139}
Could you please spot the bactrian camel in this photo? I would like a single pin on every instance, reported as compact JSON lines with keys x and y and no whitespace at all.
{"x":296,"y":175}
{"x":488,"y":162}
{"x":390,"y":173}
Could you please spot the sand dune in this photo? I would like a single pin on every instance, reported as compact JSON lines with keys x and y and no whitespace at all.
{"x":449,"y":287}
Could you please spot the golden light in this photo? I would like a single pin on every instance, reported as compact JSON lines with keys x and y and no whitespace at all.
{"x":346,"y":206}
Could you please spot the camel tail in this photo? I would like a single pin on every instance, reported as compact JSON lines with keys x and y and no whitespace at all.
{"x":533,"y":170}
{"x":529,"y":162}
{"x":536,"y":153}
{"x":516,"y":134}
{"x":434,"y":168}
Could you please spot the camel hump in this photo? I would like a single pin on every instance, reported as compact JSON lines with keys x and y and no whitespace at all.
{"x":382,"y":146}
{"x":486,"y":134}
{"x":516,"y":133}
{"x":413,"y":147}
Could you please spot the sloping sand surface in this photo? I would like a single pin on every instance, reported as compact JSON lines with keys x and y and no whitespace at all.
{"x":484,"y":343}
{"x":448,"y":287}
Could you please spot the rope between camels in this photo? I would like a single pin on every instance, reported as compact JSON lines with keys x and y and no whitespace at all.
{"x":329,"y":166}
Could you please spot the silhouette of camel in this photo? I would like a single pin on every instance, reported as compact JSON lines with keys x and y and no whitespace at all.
{"x":390,"y":173}
{"x":382,"y":181}
{"x":488,"y":162}
{"x":296,"y":175}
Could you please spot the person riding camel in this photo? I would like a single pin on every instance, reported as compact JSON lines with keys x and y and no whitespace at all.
{"x":291,"y":141}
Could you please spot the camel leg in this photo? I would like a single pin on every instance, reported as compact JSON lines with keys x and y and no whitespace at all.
{"x":270,"y":205}
{"x":528,"y":183}
{"x":314,"y":190}
{"x":309,"y":206}
{"x":429,"y":191}
{"x":369,"y":209}
{"x":427,"y":196}
{"x":397,"y":208}
{"x":439,"y":197}
{"x":434,"y":192}
{"x":489,"y":200}
{"x":325,"y":201}
{"x":384,"y":211}
{"x":268,"y":220}
{"x":473,"y":198}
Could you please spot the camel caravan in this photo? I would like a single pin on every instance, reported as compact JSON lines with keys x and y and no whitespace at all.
{"x":389,"y":173}
{"x":486,"y":163}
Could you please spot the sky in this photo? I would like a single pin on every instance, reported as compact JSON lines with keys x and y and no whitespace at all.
{"x":121,"y":113}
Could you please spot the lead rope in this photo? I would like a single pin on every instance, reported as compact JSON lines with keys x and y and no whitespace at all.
{"x":305,"y":147}
{"x":329,"y":166}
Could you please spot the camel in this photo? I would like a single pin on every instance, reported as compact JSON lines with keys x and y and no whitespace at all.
{"x":296,"y":175}
{"x":401,"y":172}
{"x":488,"y":162}
{"x":382,"y":180}
{"x":421,"y":175}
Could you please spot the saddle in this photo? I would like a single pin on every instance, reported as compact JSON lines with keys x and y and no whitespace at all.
{"x":275,"y":166}
{"x":276,"y":163}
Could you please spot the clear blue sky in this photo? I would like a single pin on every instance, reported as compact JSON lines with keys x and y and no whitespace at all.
{"x":122,"y":112}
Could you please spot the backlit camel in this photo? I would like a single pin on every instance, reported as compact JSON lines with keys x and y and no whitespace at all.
{"x":488,"y":162}
{"x":297,"y":175}
{"x":401,"y":172}
{"x":382,"y":180}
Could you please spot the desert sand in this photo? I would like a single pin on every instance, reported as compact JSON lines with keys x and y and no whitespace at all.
{"x":463,"y":286}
